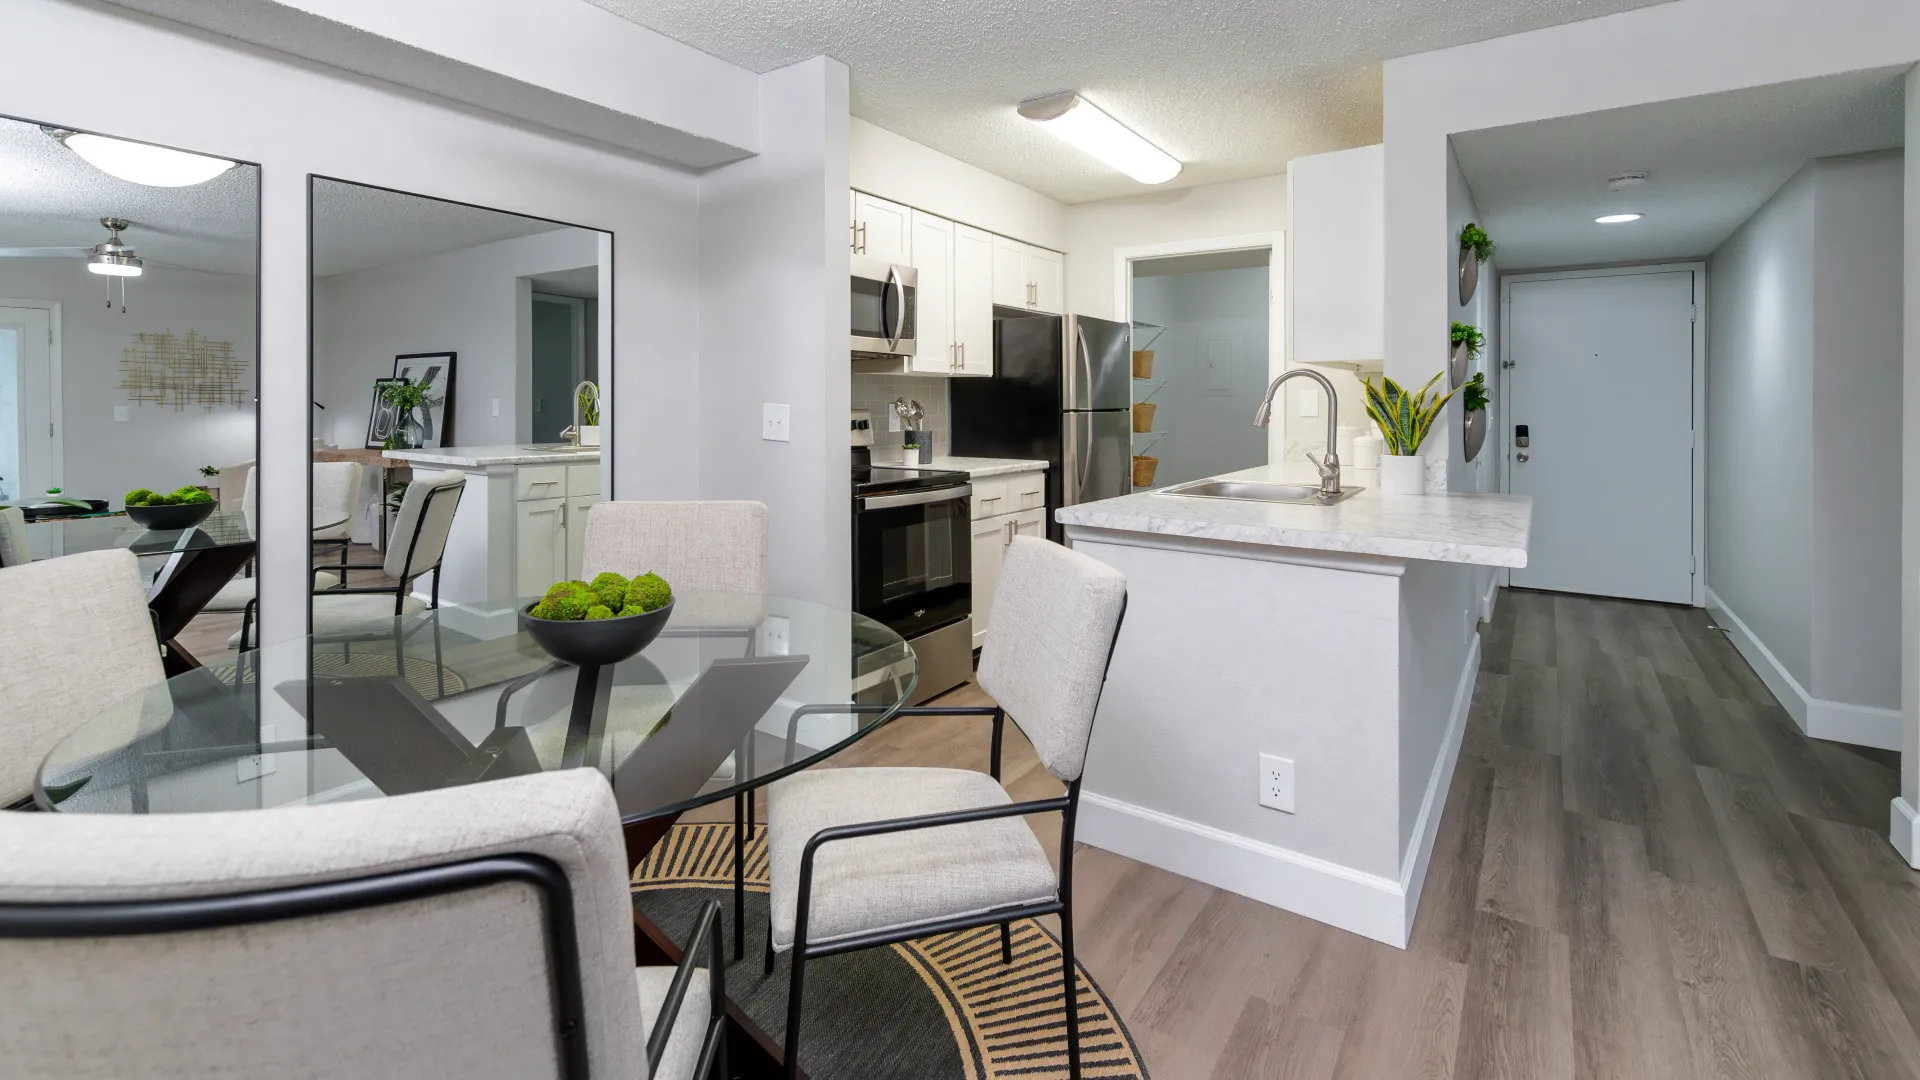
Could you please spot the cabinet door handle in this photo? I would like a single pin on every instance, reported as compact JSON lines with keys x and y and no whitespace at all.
{"x":963,"y":356}
{"x":853,"y":236}
{"x":1008,"y":542}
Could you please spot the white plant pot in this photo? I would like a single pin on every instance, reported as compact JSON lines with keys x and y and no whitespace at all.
{"x":1401,"y":475}
{"x":589,"y":434}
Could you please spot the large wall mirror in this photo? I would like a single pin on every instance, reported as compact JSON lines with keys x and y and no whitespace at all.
{"x":458,"y":431}
{"x":128,"y":345}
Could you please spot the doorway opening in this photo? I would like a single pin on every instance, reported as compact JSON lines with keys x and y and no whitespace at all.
{"x":564,"y":322}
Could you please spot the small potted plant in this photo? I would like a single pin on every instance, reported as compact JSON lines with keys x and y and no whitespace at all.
{"x":1467,"y":344}
{"x":1404,"y":419}
{"x":1473,"y":426}
{"x":1476,"y":247}
{"x":589,"y":396}
{"x":407,"y":398}
{"x":211,"y":481}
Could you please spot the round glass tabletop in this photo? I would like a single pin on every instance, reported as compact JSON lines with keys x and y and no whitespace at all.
{"x":738,"y":690}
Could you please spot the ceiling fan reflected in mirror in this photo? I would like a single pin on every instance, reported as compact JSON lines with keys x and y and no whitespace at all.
{"x":112,"y":258}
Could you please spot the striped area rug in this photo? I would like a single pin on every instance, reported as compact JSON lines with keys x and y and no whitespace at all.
{"x":938,"y":1008}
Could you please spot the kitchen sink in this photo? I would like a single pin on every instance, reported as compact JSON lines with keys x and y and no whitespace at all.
{"x":563,"y":449}
{"x":1257,"y":491}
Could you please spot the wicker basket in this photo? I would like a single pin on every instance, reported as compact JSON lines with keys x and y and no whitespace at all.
{"x":1143,"y":363}
{"x":1143,"y":470}
{"x":1143,"y":416}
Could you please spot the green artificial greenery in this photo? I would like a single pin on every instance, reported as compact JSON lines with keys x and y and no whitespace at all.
{"x":408,"y":396}
{"x":1403,"y":418}
{"x":209,"y":471}
{"x":589,"y":406}
{"x":177,"y":497}
{"x":1473,"y":395}
{"x":607,"y":596}
{"x":1470,"y":335}
{"x":1475,"y":238}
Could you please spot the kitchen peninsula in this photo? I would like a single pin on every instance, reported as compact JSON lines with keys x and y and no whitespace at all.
{"x":521,"y":521}
{"x":1340,"y":639}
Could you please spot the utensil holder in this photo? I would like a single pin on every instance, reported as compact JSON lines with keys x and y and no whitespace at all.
{"x":1143,"y":416}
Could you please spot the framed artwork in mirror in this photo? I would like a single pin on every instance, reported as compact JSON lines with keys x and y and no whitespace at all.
{"x":437,"y":368}
{"x":383,"y":417}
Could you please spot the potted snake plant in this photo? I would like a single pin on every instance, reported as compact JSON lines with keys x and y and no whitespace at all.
{"x":1404,"y":420}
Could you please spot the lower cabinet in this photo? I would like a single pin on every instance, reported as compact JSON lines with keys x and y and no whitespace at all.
{"x":550,"y":533}
{"x":991,"y":535}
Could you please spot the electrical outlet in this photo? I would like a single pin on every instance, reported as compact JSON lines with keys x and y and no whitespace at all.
{"x":496,"y":412}
{"x":773,"y":422}
{"x":1276,"y":782}
{"x":255,"y":766}
{"x":893,"y":420}
{"x":774,"y":637}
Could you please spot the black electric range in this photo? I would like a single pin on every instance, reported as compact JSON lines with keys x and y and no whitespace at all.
{"x":913,"y":564}
{"x":889,"y":479}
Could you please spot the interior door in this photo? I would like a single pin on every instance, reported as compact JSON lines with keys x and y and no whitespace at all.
{"x":28,"y":461}
{"x":1602,"y":380}
{"x":558,"y":363}
{"x":934,"y":350}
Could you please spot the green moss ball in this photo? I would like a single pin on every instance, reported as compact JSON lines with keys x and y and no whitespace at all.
{"x":565,"y":606}
{"x":599,"y":611}
{"x":631,"y":609}
{"x":649,"y":592}
{"x":139,"y":497}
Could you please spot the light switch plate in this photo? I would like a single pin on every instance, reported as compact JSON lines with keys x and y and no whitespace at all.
{"x":1276,"y":783}
{"x":121,"y":414}
{"x":773,"y":421}
{"x":496,"y":412}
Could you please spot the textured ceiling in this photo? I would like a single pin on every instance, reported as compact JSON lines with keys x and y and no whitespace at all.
{"x":356,"y":228}
{"x":1233,"y":88}
{"x":1242,"y":259}
{"x":50,"y":198}
{"x":1711,"y":162}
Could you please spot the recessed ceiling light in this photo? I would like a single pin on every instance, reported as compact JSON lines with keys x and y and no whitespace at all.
{"x":1617,"y":219}
{"x":141,"y":163}
{"x":1076,"y":120}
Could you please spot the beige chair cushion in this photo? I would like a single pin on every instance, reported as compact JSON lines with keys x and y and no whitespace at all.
{"x":336,"y":488}
{"x":75,"y":637}
{"x":434,"y":518}
{"x":1048,"y":640}
{"x":875,"y":883}
{"x":632,"y":714}
{"x":14,"y":550}
{"x":334,"y":614}
{"x":236,"y":594}
{"x":682,"y":1055}
{"x":694,"y":545}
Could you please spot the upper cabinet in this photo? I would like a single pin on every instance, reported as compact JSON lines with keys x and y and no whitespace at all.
{"x":964,"y":273}
{"x":1338,"y":267}
{"x":882,"y":229}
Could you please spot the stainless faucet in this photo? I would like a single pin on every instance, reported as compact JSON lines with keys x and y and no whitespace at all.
{"x":1329,"y":466}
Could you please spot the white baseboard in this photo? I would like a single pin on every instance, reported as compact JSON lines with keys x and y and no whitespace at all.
{"x":1905,"y":832}
{"x":1413,"y":867}
{"x":1487,"y":600}
{"x":1370,"y":905}
{"x":1818,"y":718}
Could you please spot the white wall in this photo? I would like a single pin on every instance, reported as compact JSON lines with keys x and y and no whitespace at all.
{"x":1207,"y":412}
{"x":466,"y":301}
{"x":1760,"y":362}
{"x":157,"y":447}
{"x":897,"y":168}
{"x":774,"y":263}
{"x":1096,"y":229}
{"x":1856,"y":409}
{"x":1483,"y":312}
{"x":294,"y":119}
{"x":1908,"y":841}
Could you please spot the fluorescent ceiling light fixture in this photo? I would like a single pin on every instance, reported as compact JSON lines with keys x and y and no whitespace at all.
{"x":1616,"y":219}
{"x":141,"y":163}
{"x":1076,"y":120}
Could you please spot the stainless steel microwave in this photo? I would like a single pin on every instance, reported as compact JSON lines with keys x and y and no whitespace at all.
{"x":884,"y":302}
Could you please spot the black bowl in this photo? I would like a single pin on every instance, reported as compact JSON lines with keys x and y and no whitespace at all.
{"x":168,"y":518}
{"x":585,"y":642}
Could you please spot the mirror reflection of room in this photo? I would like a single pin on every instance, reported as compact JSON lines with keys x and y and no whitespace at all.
{"x":128,"y":308}
{"x":456,"y":386}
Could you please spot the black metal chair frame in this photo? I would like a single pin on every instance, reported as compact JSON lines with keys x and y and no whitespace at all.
{"x":123,"y":918}
{"x":1067,"y":806}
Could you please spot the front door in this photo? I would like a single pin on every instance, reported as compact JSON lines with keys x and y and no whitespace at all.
{"x":1602,"y":380}
{"x":29,"y":458}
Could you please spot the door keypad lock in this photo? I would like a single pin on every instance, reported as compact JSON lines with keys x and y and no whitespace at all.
{"x":1521,"y":441}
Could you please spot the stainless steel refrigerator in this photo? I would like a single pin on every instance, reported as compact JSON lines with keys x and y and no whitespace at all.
{"x":1061,"y":391}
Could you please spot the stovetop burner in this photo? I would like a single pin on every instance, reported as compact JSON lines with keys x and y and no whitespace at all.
{"x":885,"y":480}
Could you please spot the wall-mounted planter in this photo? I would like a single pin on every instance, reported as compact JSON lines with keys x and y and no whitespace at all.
{"x":1469,"y":276}
{"x":1473,"y":433}
{"x":1457,"y":365}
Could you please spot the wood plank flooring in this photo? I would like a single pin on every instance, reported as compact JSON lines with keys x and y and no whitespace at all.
{"x":1643,"y":870}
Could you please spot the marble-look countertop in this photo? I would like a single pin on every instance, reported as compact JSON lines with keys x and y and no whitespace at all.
{"x":479,"y":457}
{"x":973,"y":466}
{"x":1483,"y":530}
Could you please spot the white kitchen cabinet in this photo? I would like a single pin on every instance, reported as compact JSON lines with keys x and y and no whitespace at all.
{"x":1029,"y":523}
{"x":575,"y":524}
{"x":1009,"y":272}
{"x":973,"y":300}
{"x":989,"y":548}
{"x":1003,"y":507}
{"x":1046,"y":280}
{"x":933,"y":258}
{"x":1337,"y":267}
{"x":540,"y":545}
{"x":882,"y":229}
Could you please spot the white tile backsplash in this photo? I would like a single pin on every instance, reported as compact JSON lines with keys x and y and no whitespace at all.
{"x":876,"y":394}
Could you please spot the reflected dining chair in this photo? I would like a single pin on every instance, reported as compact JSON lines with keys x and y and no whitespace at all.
{"x":76,"y":638}
{"x":862,"y":857}
{"x":478,"y":932}
{"x":14,"y":549}
{"x":335,"y":499}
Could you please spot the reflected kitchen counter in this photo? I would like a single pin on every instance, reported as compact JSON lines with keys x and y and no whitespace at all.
{"x":480,"y":457}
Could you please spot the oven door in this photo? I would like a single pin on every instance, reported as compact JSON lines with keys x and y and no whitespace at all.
{"x":885,"y":303}
{"x":913,"y":559}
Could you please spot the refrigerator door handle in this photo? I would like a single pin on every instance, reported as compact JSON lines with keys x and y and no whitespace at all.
{"x":1083,"y":360}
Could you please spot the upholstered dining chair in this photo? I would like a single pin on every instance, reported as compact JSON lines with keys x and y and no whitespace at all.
{"x":860,"y":857}
{"x":14,"y":549}
{"x":481,"y":932}
{"x":75,"y":639}
{"x":336,"y":494}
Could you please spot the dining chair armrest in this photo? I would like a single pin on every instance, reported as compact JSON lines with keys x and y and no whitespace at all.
{"x":998,"y":714}
{"x":384,"y":590}
{"x":1058,"y":804}
{"x":707,"y":937}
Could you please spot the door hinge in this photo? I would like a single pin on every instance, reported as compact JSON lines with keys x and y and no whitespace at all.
{"x":50,"y":435}
{"x":1693,"y":564}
